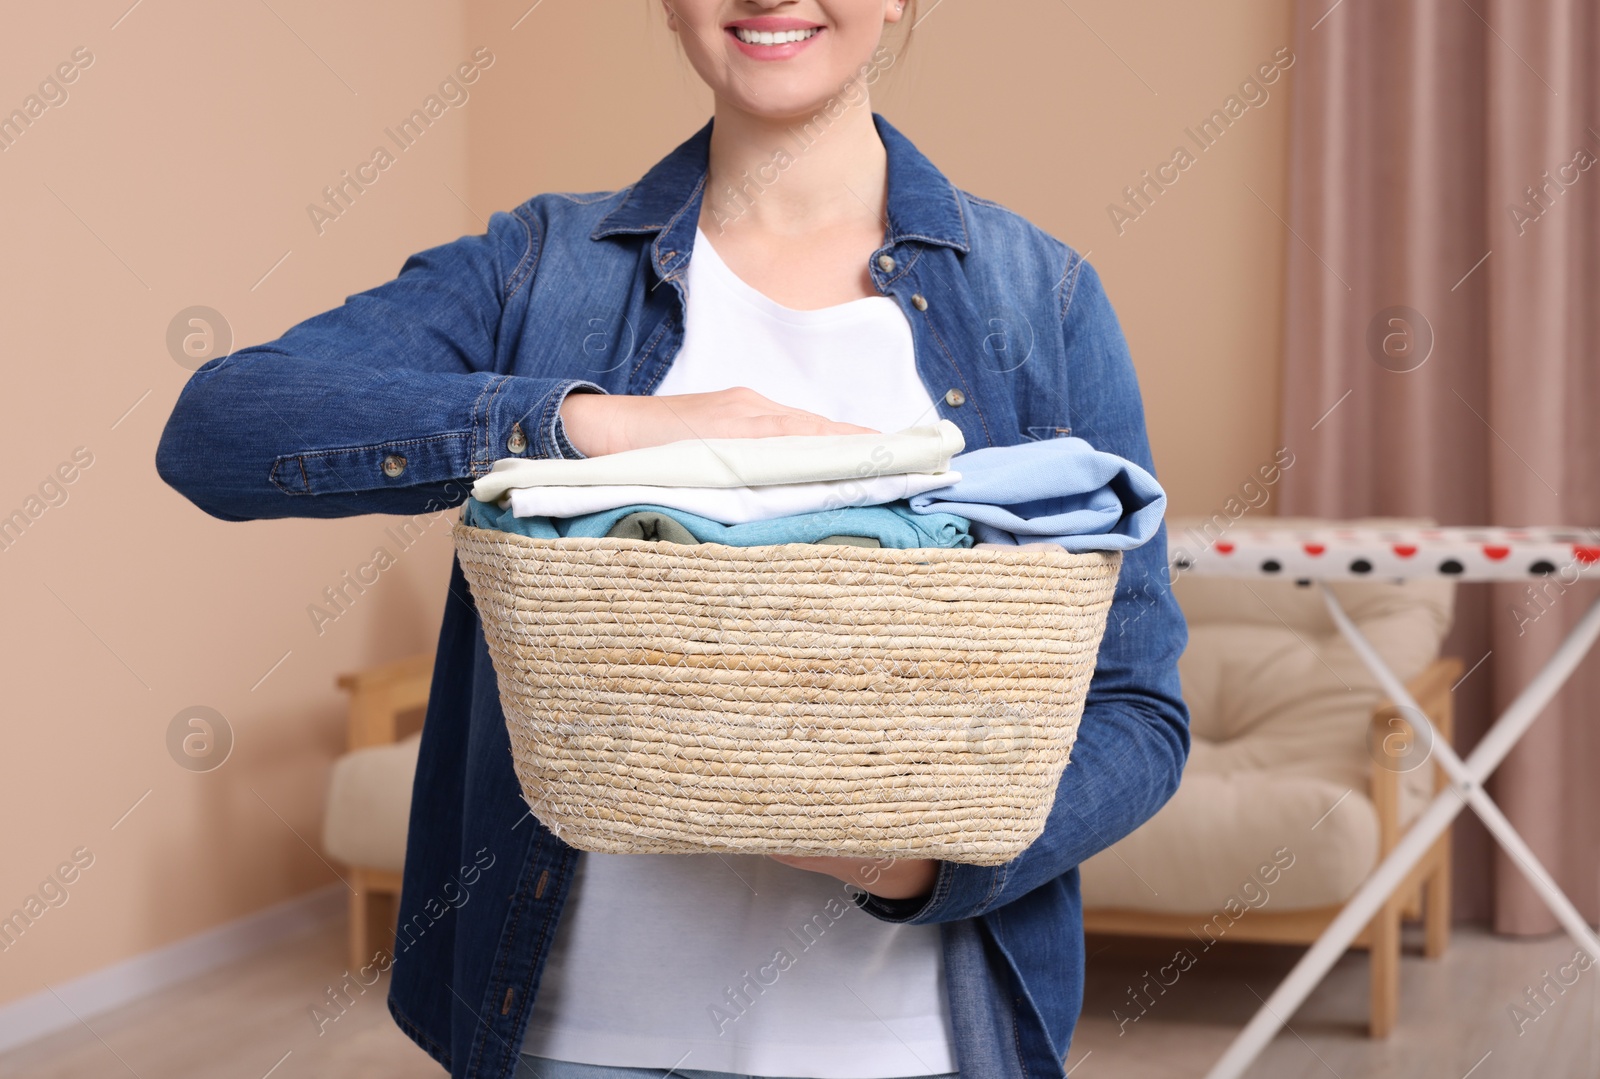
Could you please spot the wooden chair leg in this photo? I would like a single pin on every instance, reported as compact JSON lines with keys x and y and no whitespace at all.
{"x":1436,"y":916}
{"x":373,"y":907}
{"x":360,"y":919}
{"x":1384,"y":958}
{"x":1432,"y":692}
{"x":1415,"y":905}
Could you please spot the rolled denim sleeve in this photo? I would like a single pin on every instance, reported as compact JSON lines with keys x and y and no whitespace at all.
{"x":1133,"y":739}
{"x":389,"y":403}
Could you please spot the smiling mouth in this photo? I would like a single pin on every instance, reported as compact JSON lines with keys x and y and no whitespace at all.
{"x":774,"y":37}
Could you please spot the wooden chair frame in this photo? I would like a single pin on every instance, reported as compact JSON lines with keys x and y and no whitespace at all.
{"x":379,"y":696}
{"x":1425,"y":894}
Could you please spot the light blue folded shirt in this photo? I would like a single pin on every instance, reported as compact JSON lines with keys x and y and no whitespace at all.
{"x":1059,"y":490}
{"x":893,"y":524}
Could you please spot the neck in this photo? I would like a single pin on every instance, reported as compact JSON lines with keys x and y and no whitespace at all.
{"x":796,"y":175}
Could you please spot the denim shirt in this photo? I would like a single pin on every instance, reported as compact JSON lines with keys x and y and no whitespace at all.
{"x":394,"y":401}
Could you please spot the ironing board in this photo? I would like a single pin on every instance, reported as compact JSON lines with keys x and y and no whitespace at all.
{"x":1355,"y":552}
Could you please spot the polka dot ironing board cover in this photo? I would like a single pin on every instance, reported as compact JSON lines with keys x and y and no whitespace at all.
{"x":1356,"y":553}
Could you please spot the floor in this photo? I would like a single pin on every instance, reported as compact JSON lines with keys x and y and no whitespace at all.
{"x":1455,"y":1013}
{"x":254,"y":1019}
{"x":242,"y":1021}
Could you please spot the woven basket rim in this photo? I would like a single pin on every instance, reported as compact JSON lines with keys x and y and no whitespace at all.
{"x":1040,"y":555}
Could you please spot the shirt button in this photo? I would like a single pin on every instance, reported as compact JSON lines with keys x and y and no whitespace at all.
{"x":518,"y":441}
{"x":886,"y":264}
{"x":393,"y":465}
{"x":954,"y":398}
{"x":919,"y":303}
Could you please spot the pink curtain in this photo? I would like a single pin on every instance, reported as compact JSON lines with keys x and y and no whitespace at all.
{"x":1442,"y":351}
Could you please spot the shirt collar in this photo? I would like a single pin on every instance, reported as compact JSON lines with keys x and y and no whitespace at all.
{"x":923,"y":204}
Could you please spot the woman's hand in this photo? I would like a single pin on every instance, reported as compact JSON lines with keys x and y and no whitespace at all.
{"x":886,"y":878}
{"x":601,"y":423}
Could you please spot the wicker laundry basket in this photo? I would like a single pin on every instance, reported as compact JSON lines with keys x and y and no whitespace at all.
{"x":791,"y":699}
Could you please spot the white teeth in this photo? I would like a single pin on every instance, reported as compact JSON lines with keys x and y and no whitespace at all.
{"x":780,"y":37}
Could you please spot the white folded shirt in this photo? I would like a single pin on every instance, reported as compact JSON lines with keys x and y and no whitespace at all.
{"x":729,"y":505}
{"x":737,"y":462}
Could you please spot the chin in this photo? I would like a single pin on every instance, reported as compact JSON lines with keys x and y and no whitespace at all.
{"x":788,"y":99}
{"x":798,"y":109}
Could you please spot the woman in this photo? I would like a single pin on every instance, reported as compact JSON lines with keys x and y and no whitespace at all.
{"x":823,"y":277}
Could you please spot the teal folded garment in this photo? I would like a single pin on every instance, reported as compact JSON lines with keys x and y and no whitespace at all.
{"x":893,"y":524}
{"x":664,"y":528}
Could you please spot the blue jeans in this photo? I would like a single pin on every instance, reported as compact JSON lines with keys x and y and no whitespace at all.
{"x":533,"y":1067}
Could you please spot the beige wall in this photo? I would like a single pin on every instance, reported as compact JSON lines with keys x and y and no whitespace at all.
{"x":189,"y":149}
{"x":181,"y":166}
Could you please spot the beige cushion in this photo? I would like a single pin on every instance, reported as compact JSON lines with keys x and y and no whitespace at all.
{"x":1280,"y":707}
{"x":369,"y":805}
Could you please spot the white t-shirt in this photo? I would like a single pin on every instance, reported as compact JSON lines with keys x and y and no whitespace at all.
{"x":737,"y":963}
{"x":851,"y":362}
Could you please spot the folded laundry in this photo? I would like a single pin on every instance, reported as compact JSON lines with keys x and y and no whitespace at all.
{"x":1061,"y":489}
{"x":1041,"y":545}
{"x":730,"y":505}
{"x":737,"y":462}
{"x":893,"y":524}
{"x":664,"y":528}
